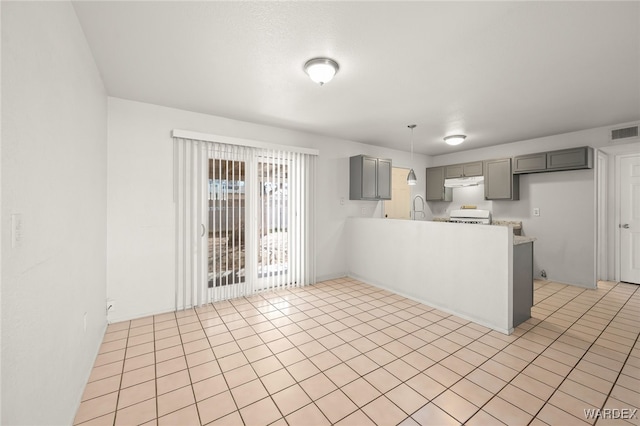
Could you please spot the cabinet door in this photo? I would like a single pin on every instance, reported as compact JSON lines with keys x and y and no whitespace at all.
{"x":530,"y":163}
{"x":435,"y":185}
{"x":369,"y":180}
{"x":384,"y":179}
{"x":566,"y":159}
{"x":472,"y":169}
{"x":463,"y":170}
{"x":498,"y":180}
{"x":453,"y":171}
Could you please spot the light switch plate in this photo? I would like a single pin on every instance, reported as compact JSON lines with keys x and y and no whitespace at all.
{"x":16,"y":230}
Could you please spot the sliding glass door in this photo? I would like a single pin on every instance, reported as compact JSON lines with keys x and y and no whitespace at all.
{"x":229,"y":204}
{"x":244,"y":220}
{"x":273,"y":220}
{"x":227,"y":210}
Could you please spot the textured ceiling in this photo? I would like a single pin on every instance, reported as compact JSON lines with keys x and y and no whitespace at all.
{"x":496,"y":71}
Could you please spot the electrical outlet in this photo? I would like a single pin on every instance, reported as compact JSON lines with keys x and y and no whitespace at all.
{"x":536,"y":211}
{"x":342,"y":201}
{"x":363,"y":211}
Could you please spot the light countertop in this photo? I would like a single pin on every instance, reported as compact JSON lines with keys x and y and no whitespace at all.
{"x":517,"y":225}
{"x":517,"y":239}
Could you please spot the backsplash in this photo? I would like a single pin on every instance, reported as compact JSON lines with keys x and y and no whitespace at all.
{"x":473,"y":195}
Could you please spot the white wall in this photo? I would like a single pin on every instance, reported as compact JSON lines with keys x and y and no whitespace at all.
{"x":1,"y":220}
{"x":566,"y":227}
{"x":54,"y":175}
{"x":422,"y":260}
{"x":140,"y":206}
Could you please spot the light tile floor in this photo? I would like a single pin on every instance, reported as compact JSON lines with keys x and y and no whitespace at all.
{"x":342,"y":352}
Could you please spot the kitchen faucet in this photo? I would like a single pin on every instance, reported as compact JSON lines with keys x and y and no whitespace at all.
{"x":421,"y":207}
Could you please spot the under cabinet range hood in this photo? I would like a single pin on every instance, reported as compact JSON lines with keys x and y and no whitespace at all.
{"x":463,"y":181}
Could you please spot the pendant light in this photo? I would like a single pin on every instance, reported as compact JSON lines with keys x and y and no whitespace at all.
{"x":411,"y":177}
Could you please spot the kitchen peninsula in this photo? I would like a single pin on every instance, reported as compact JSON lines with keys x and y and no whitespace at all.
{"x":477,"y":272}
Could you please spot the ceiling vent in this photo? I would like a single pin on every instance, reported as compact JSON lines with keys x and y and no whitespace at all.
{"x":627,"y":132}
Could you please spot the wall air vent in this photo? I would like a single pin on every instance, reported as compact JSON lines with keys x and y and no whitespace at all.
{"x":627,"y":132}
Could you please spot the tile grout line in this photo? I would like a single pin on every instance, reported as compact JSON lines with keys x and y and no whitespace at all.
{"x":155,"y":369}
{"x":354,"y":292}
{"x":188,"y":373}
{"x":326,"y":350}
{"x":249,"y":362}
{"x":635,"y":291}
{"x":217,"y":362}
{"x":195,"y":398}
{"x":595,"y":303}
{"x":495,"y":394}
{"x":124,"y":360}
{"x":412,"y":351}
{"x":583,"y":355}
{"x":308,"y":359}
{"x":294,"y":345}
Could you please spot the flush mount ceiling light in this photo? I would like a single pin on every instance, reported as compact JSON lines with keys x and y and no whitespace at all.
{"x":411,"y":177}
{"x":454,"y":139}
{"x":321,"y":70}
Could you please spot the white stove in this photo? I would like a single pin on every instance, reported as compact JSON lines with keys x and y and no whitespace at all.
{"x":480,"y":217}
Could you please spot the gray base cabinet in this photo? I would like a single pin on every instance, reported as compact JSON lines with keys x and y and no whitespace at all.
{"x":369,"y":178}
{"x":435,"y":185}
{"x":522,"y":282}
{"x":499,"y":182}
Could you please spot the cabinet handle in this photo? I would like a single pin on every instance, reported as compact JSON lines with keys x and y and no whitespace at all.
{"x":625,"y":226}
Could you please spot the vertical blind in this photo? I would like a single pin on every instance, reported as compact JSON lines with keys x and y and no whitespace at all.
{"x":244,"y":220}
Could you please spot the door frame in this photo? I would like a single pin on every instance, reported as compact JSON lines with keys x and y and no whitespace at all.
{"x":603,"y":258}
{"x":611,"y":233}
{"x":618,"y":212}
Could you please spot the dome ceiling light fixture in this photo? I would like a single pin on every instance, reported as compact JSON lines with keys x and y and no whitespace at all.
{"x":411,"y":177}
{"x":454,"y":139}
{"x":321,"y":70}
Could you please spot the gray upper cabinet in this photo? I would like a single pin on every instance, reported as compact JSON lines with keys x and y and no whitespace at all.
{"x":499,"y":181}
{"x":435,"y":185}
{"x":530,"y":163}
{"x":384,"y":179}
{"x":569,"y":159}
{"x":554,"y":161}
{"x":463,"y":170}
{"x":369,"y":178}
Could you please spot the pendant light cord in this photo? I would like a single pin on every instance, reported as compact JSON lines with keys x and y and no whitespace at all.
{"x":411,"y":177}
{"x":412,"y":126}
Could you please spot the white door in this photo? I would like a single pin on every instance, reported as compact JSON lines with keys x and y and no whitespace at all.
{"x":630,"y":219}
